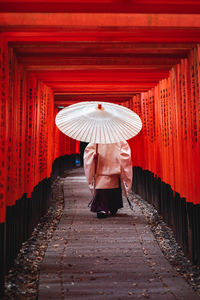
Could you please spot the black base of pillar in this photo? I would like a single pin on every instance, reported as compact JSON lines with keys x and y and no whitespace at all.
{"x":181,"y":216}
{"x":2,"y":258}
{"x":193,"y":213}
{"x":63,"y":163}
{"x":22,"y":217}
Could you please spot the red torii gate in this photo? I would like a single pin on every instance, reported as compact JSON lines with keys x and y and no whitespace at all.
{"x":142,"y":54}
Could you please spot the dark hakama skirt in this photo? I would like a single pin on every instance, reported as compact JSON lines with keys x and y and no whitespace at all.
{"x":107,"y":200}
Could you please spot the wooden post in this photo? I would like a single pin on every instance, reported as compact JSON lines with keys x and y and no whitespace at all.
{"x":2,"y":257}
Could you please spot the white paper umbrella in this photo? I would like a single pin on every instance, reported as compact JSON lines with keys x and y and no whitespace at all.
{"x":98,"y":122}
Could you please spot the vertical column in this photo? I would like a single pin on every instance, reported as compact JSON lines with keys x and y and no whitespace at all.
{"x":3,"y":152}
{"x":29,"y":135}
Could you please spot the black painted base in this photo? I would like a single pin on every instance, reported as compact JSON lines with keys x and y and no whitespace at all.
{"x":63,"y":163}
{"x":2,"y":258}
{"x":22,"y":218}
{"x":183,"y":217}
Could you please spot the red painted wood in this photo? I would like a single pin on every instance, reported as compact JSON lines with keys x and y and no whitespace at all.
{"x":139,"y":6}
{"x":112,"y":54}
{"x":3,"y":127}
{"x":170,"y":131}
{"x":65,"y":21}
{"x":26,"y":131}
{"x":101,"y":48}
{"x":101,"y":75}
{"x":133,"y":34}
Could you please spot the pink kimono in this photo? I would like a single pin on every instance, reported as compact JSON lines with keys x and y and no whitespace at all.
{"x":113,"y":171}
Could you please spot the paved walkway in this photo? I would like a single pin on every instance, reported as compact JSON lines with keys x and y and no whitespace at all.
{"x":114,"y":258}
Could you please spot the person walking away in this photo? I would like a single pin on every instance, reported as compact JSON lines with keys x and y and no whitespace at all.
{"x":108,"y":169}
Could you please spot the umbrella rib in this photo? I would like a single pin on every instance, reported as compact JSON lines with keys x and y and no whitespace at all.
{"x":114,"y":131}
{"x":82,"y":136}
{"x":85,"y":132}
{"x":107,"y":134}
{"x":103,"y":132}
{"x":71,"y":126}
{"x":125,"y":128}
{"x":88,"y":131}
{"x":119,"y":129}
{"x":128,"y":123}
{"x":82,"y":131}
{"x":93,"y":132}
{"x":73,"y":129}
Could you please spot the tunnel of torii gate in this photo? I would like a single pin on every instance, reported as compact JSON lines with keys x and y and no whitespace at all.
{"x":144,"y":55}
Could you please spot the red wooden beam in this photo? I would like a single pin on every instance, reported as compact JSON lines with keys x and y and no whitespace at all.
{"x":70,"y":102}
{"x":98,"y":67}
{"x":101,"y":48}
{"x":60,"y":21}
{"x":106,"y":6}
{"x":61,"y":60}
{"x":91,"y":83}
{"x":102,"y":87}
{"x":82,"y":99}
{"x":134,"y":90}
{"x":97,"y":75}
{"x":85,"y":96}
{"x":133,"y":34}
{"x":74,"y":98}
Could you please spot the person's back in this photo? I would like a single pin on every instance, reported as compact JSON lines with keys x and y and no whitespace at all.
{"x":104,"y":169}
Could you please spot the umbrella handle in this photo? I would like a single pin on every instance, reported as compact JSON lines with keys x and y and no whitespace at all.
{"x":129,"y":202}
{"x":96,"y":160}
{"x":95,"y":168}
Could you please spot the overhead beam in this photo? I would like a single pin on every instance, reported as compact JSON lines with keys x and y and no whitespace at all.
{"x":112,"y":93}
{"x":104,"y":87}
{"x":78,"y":84}
{"x":100,"y":52}
{"x":99,"y":48}
{"x":103,"y":6}
{"x":84,"y":96}
{"x":139,"y":35}
{"x":61,"y":60}
{"x":70,"y":99}
{"x":61,"y":21}
{"x":136,"y":90}
{"x":98,"y":75}
{"x":97,"y":67}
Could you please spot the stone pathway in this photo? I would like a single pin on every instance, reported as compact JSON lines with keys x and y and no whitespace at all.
{"x":114,"y":258}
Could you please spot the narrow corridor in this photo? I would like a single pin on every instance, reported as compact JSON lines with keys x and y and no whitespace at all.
{"x":113,"y":258}
{"x":145,"y":57}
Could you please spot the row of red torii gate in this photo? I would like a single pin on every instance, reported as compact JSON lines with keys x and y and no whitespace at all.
{"x":165,"y":154}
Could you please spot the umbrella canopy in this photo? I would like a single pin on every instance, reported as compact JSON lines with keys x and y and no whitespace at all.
{"x":98,"y":122}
